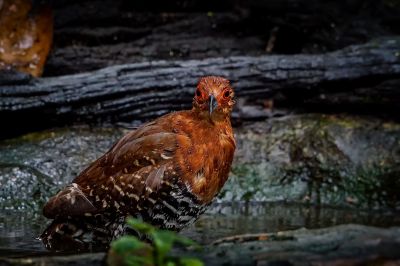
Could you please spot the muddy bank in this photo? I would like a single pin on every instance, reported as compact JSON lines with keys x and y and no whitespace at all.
{"x":333,"y":160}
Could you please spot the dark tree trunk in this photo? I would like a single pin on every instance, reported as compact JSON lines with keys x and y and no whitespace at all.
{"x":93,"y":34}
{"x":145,"y":90}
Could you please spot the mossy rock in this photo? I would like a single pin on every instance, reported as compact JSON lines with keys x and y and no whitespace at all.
{"x":35,"y":166}
{"x":322,"y":159}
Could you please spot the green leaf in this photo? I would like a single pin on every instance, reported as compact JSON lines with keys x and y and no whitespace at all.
{"x":131,"y":251}
{"x":190,"y":262}
{"x":140,"y":226}
{"x":170,"y":263}
{"x":163,"y":241}
{"x":186,"y":241}
{"x":127,"y":244}
{"x":132,"y":260}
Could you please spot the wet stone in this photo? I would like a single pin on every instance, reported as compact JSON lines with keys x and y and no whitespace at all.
{"x":34,"y":167}
{"x":339,"y":245}
{"x":320,"y":159}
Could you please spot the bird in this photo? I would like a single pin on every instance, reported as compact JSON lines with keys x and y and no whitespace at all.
{"x":166,"y":173}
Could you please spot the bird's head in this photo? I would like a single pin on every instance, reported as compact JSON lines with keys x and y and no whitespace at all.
{"x":214,"y":97}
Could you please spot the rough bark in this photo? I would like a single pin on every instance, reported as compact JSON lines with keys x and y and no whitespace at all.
{"x":144,"y":90}
{"x":162,"y":46}
{"x":173,"y":36}
{"x":93,"y":34}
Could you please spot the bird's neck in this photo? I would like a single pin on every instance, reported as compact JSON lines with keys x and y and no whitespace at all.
{"x":216,"y":119}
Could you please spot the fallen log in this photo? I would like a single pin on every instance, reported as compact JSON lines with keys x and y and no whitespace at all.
{"x":182,"y":37}
{"x":81,"y":58}
{"x":144,"y":90}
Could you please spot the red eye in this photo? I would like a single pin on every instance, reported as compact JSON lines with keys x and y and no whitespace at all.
{"x":227,"y":93}
{"x":198,"y":93}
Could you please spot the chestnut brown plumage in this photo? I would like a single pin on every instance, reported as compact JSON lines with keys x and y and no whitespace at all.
{"x":166,"y":172}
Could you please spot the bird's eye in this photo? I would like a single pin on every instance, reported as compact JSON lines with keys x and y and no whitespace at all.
{"x":227,"y":93}
{"x":198,"y":93}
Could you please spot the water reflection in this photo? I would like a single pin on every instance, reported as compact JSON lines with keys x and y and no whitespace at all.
{"x":19,"y":230}
{"x":230,"y":219}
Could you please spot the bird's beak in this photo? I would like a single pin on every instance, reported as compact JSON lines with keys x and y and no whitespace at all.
{"x":212,"y":103}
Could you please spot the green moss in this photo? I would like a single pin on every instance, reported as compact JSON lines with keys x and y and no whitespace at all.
{"x":374,"y":186}
{"x":244,"y":183}
{"x":324,"y":159}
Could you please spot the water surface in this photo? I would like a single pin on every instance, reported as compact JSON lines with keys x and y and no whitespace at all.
{"x":19,"y":230}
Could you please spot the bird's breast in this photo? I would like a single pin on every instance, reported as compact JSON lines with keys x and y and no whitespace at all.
{"x":204,"y":158}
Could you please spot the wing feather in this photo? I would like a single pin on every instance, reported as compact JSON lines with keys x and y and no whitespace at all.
{"x":135,"y":164}
{"x":69,"y":202}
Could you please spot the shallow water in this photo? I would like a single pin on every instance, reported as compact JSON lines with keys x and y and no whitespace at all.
{"x":19,"y":230}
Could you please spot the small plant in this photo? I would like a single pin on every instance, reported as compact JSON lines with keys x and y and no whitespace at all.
{"x":130,"y":251}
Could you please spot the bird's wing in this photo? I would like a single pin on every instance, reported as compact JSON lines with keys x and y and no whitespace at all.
{"x":134,"y":167}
